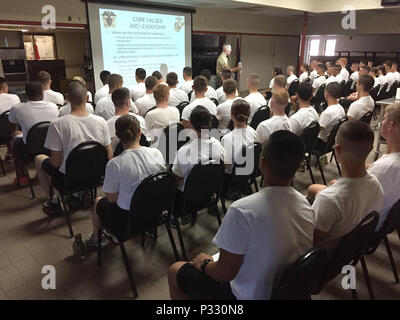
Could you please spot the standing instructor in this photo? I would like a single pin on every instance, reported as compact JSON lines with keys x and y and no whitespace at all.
{"x":223,"y":63}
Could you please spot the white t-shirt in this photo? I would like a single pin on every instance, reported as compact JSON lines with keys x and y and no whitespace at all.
{"x":69,"y":131}
{"x":232,"y":143}
{"x":66,"y":109}
{"x":105,"y":107}
{"x":341,"y":207}
{"x":198,"y":150}
{"x":32,"y":112}
{"x":345,"y":74}
{"x":318,"y":81}
{"x":268,"y":127}
{"x":8,"y":100}
{"x":303,"y":77}
{"x":360,"y":107}
{"x":101,"y":93}
{"x":382,"y":80}
{"x":187,"y":86}
{"x":271,"y":83}
{"x":387,"y":170}
{"x":255,"y":100}
{"x":138,"y":91}
{"x":160,"y":118}
{"x":89,"y":96}
{"x":339,"y":78}
{"x":125,"y":172}
{"x":290,"y":79}
{"x":205,"y":102}
{"x":302,"y":118}
{"x":390,"y":78}
{"x":397,"y":76}
{"x":224,"y":113}
{"x":222,"y":96}
{"x":111,"y":128}
{"x":176,"y":96}
{"x":145,"y":103}
{"x":313,"y":75}
{"x":331,"y":79}
{"x":53,"y":96}
{"x":376,"y":82}
{"x":354,"y":76}
{"x":271,"y":229}
{"x":329,"y":117}
{"x":210,"y":93}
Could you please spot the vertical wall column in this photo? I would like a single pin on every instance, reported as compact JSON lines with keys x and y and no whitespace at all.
{"x":302,"y":41}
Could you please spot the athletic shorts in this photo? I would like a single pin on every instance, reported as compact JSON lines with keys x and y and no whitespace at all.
{"x":113,"y":218}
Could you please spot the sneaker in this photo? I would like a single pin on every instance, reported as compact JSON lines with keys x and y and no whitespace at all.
{"x":92,"y":242}
{"x":22,"y":181}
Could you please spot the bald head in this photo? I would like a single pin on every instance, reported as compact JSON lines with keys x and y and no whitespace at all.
{"x":76,"y":93}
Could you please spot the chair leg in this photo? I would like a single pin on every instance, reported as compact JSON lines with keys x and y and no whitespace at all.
{"x":2,"y":167}
{"x":223,"y":204}
{"x":67,"y":218}
{"x":256,"y":184}
{"x":30,"y":183}
{"x":337,"y":164}
{"x":308,"y":161}
{"x":330,"y":161}
{"x":354,"y":294}
{"x":128,"y":270}
{"x":367,"y":278}
{"x":172,"y":241}
{"x":217,"y":214}
{"x":391,"y":260}
{"x":99,"y":236}
{"x":322,"y":171}
{"x":178,"y":230}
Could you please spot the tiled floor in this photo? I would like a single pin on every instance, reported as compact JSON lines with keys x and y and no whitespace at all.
{"x":28,"y":242}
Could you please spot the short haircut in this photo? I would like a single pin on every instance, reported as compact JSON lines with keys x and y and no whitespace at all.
{"x":363,"y":61}
{"x":356,"y":139}
{"x":338,"y":67}
{"x":382,"y":68}
{"x":367,"y":68}
{"x":43,"y":77}
{"x":33,"y":90}
{"x":281,"y":97}
{"x":188,"y":71}
{"x":305,"y":91}
{"x":104,"y":76}
{"x":388,"y":63}
{"x":127,"y":128}
{"x":240,"y":109}
{"x":77,"y":92}
{"x":375,"y":70}
{"x":3,"y":82}
{"x":115,"y":81}
{"x":206,"y":73}
{"x":200,"y":118}
{"x":290,"y":68}
{"x":200,"y":84}
{"x":120,"y":97}
{"x":280,"y":81}
{"x":393,"y":112}
{"x":355,"y":63}
{"x":80,"y":79}
{"x":229,"y":86}
{"x":157,"y":74}
{"x":323,"y":67}
{"x":140,"y":73}
{"x":367,"y":81}
{"x":150,"y":82}
{"x":254,"y":80}
{"x":226,"y":74}
{"x":172,"y":79}
{"x":278,"y":71}
{"x":334,"y":89}
{"x":283,"y":153}
{"x":226,"y":45}
{"x":160,"y":92}
{"x":306,"y":67}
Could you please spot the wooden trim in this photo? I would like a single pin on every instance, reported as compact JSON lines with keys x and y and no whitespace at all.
{"x":37,"y":23}
{"x":246,"y":34}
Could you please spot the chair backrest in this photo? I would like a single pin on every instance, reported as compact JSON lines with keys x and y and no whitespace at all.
{"x":151,"y":109}
{"x":347,"y":88}
{"x":182,"y":106}
{"x":382,"y":92}
{"x":85,"y":166}
{"x":374,"y":92}
{"x":231,"y":125}
{"x":393,"y":89}
{"x":301,"y":277}
{"x":343,"y":88}
{"x":332,"y":136}
{"x":293,"y":87}
{"x":169,"y":143}
{"x":145,"y":212}
{"x":309,"y":136}
{"x":120,"y":147}
{"x":319,"y":97}
{"x":5,"y":128}
{"x":190,"y":95}
{"x":287,"y":109}
{"x":261,"y":114}
{"x":367,"y":117}
{"x":215,"y":101}
{"x":214,"y":122}
{"x":36,"y":138}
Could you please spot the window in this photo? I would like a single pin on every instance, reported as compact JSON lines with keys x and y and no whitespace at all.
{"x":40,"y":47}
{"x":330,"y":47}
{"x":314,"y":47}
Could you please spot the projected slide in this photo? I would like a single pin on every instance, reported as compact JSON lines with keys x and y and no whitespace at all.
{"x":138,"y":39}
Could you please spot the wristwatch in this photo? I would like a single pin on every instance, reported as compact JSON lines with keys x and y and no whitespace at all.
{"x":204,"y":264}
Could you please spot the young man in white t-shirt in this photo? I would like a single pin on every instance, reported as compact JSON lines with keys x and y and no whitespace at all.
{"x":226,"y":74}
{"x":306,"y":113}
{"x":314,"y":72}
{"x":355,"y":74}
{"x":255,"y":98}
{"x":338,"y":76}
{"x":390,"y":77}
{"x":200,"y":89}
{"x":159,"y":77}
{"x":319,"y":79}
{"x":123,"y":176}
{"x":139,"y":89}
{"x":343,"y":71}
{"x":395,"y":71}
{"x":387,"y":168}
{"x":122,"y":101}
{"x":279,"y":120}
{"x":210,"y":93}
{"x":224,"y":109}
{"x":259,"y":237}
{"x":176,"y":96}
{"x":187,"y":76}
{"x":44,"y":78}
{"x":364,"y":102}
{"x":340,"y":207}
{"x":291,"y":76}
{"x":67,"y":106}
{"x":64,"y":135}
{"x":147,"y":102}
{"x":103,"y":91}
{"x":275,"y":72}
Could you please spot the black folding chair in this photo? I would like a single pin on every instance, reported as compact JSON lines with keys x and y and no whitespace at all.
{"x":84,"y":170}
{"x":301,"y":277}
{"x":343,"y":88}
{"x":190,"y":95}
{"x":382,"y":92}
{"x":319,"y":98}
{"x":263,"y":113}
{"x":392,"y":91}
{"x":151,"y":109}
{"x":145,"y":215}
{"x":170,"y":142}
{"x":367,"y":117}
{"x":309,"y":137}
{"x":182,"y":106}
{"x":202,"y":190}
{"x":374,"y":92}
{"x":293,"y":87}
{"x":215,"y":101}
{"x":347,"y":88}
{"x":120,"y":147}
{"x":6,"y":129}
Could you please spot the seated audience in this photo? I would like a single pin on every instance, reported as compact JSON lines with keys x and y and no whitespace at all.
{"x":226,"y":74}
{"x":275,"y":72}
{"x":382,"y":75}
{"x":390,"y":77}
{"x":340,"y":207}
{"x":343,"y":71}
{"x":210,"y":93}
{"x":313,"y":67}
{"x":159,"y":77}
{"x":7,"y":100}
{"x":64,"y":135}
{"x":44,"y":78}
{"x":354,"y":75}
{"x":374,"y":73}
{"x":26,"y":115}
{"x":291,"y":76}
{"x":187,"y":86}
{"x":123,"y":176}
{"x":338,"y":76}
{"x":330,"y":74}
{"x":224,"y":109}
{"x":387,"y":168}
{"x":103,"y":91}
{"x":279,"y":120}
{"x":395,"y":71}
{"x":306,"y":114}
{"x":255,"y":98}
{"x":89,"y":94}
{"x":364,"y":102}
{"x":147,"y":102}
{"x":176,"y":96}
{"x":66,"y":109}
{"x":305,"y":72}
{"x":139,"y":90}
{"x":279,"y":83}
{"x":259,"y":237}
{"x":319,"y":79}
